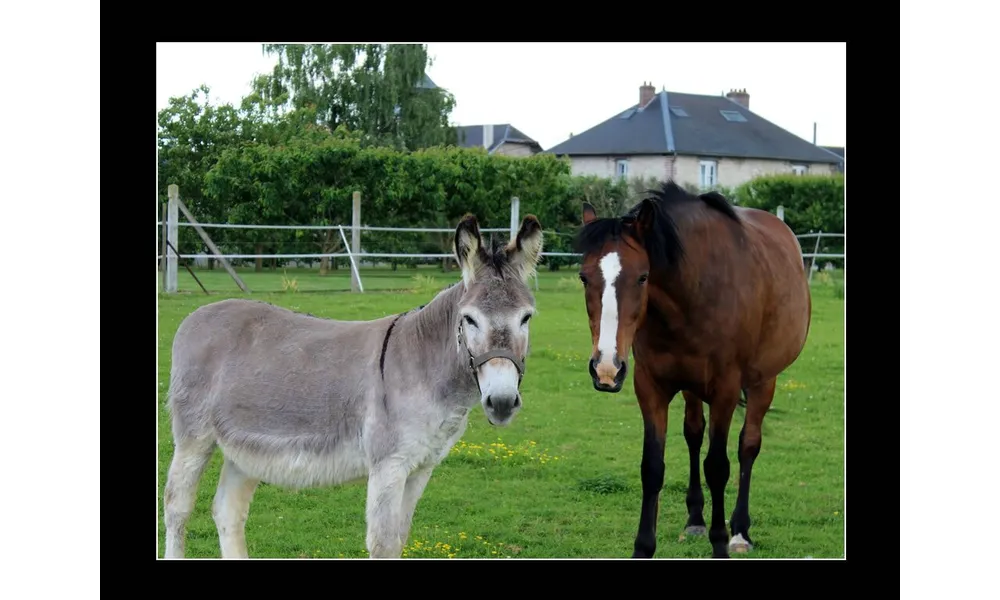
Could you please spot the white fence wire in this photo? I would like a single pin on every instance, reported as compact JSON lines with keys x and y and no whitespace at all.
{"x":357,"y":256}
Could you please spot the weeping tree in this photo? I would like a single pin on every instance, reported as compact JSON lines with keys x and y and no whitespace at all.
{"x":379,"y":91}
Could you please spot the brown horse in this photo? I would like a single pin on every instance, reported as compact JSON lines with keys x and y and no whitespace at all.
{"x":712,"y":300}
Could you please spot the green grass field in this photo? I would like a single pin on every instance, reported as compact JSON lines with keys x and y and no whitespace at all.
{"x":563,"y":479}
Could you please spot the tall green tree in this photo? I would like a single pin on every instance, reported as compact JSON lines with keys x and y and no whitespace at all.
{"x":376,"y":90}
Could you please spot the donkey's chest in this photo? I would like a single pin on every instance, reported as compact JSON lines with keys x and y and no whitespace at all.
{"x":431,"y":443}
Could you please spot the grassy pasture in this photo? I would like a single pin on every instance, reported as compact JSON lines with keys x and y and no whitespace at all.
{"x":561,"y":481}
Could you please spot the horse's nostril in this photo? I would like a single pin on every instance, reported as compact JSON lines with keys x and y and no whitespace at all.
{"x":489,"y":402}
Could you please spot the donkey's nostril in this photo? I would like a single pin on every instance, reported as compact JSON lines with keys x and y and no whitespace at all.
{"x":489,"y":402}
{"x":517,"y":401}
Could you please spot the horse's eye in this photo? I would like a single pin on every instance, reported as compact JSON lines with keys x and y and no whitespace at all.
{"x":643,"y":278}
{"x":583,"y":278}
{"x":525,"y":320}
{"x":470,"y":321}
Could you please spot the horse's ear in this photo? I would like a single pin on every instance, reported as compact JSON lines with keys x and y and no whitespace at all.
{"x":589,"y":214}
{"x":646,"y":217}
{"x":468,"y":243}
{"x":525,"y":249}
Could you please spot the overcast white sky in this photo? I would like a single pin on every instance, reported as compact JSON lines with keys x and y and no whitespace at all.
{"x":549,"y":90}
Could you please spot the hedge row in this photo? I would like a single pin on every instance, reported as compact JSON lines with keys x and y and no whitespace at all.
{"x":310,"y":180}
{"x":812,"y":203}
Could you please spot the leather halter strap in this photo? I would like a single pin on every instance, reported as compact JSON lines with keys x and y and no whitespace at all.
{"x":477,"y":361}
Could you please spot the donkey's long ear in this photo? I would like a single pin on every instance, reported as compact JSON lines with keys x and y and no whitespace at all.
{"x":468,"y":243}
{"x":589,"y":214}
{"x":525,"y":249}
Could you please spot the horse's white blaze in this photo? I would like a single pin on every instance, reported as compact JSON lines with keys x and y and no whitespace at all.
{"x":611,"y":267}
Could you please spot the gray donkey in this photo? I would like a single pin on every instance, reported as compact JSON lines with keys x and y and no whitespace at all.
{"x":298,"y":401}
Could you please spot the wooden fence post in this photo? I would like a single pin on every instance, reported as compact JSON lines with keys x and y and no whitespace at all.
{"x":212,"y":247}
{"x":170,"y":278}
{"x":356,"y":238}
{"x":515,"y":209}
{"x":781,"y":212}
{"x":812,"y":264}
{"x":163,"y":245}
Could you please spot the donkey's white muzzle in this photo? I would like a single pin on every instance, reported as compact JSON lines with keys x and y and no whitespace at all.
{"x":498,"y":380}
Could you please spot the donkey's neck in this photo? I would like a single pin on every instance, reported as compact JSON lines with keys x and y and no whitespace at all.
{"x":430,"y":338}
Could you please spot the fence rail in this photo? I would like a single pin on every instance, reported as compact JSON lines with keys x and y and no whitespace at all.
{"x":170,"y":225}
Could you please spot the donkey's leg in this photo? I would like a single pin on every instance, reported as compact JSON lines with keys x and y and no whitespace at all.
{"x":231,"y":508}
{"x":694,"y":435}
{"x":386,"y":486}
{"x":191,"y":454}
{"x":723,"y":403}
{"x":653,"y":402}
{"x":758,"y":403}
{"x":412,"y":492}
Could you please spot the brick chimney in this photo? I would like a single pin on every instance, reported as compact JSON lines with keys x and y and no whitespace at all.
{"x":740,"y":97}
{"x":646,"y":93}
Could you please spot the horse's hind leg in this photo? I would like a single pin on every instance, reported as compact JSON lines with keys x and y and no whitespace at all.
{"x":231,"y":508}
{"x":191,"y":454}
{"x":694,"y":435}
{"x":758,"y":402}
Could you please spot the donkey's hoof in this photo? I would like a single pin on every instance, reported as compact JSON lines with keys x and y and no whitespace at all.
{"x":695,"y":530}
{"x":739,"y":545}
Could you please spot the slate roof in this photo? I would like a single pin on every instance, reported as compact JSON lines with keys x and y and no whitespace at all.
{"x":427,"y":83}
{"x":471,"y":136}
{"x":692,"y":124}
{"x":838,"y":150}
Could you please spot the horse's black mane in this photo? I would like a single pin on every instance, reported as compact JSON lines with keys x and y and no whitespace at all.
{"x":663,"y":244}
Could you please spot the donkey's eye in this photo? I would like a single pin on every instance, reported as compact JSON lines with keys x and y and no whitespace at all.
{"x":525,"y":320}
{"x":643,"y":278}
{"x":470,"y":321}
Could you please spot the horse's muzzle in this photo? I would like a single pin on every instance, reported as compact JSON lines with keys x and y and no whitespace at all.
{"x":608,"y":378}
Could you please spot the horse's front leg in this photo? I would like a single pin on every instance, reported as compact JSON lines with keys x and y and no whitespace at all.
{"x":412,"y":492}
{"x":654,"y":400}
{"x":384,"y":510}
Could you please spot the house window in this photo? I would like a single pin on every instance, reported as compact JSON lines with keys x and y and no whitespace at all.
{"x":621,"y":168}
{"x":799,"y":169}
{"x":708,"y":175}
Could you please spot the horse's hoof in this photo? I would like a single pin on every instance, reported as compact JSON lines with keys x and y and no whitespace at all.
{"x":695,"y":530}
{"x":739,"y":545}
